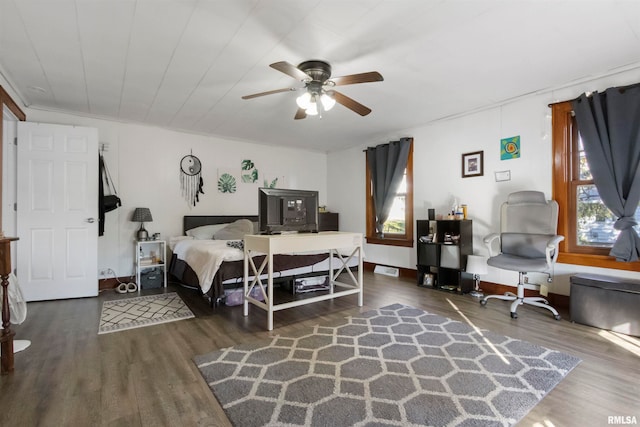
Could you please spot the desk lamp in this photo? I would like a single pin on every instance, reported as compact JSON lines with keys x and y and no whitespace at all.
{"x":142,"y":215}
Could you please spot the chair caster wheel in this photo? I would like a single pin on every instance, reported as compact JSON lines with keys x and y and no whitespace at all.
{"x":557,"y":317}
{"x":483,"y":302}
{"x":514,"y":315}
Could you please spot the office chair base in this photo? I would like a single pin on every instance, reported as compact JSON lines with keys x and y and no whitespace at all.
{"x":520,"y":299}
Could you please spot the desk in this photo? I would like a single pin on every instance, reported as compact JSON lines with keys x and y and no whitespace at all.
{"x":302,"y":242}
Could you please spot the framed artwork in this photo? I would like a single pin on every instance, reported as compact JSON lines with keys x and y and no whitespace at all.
{"x":427,"y":279}
{"x":510,"y":148}
{"x":473,"y":164}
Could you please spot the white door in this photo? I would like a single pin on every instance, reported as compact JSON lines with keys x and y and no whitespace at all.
{"x":10,"y":132}
{"x":57,"y":211}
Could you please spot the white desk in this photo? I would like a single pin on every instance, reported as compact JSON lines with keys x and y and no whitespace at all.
{"x":271,"y":245}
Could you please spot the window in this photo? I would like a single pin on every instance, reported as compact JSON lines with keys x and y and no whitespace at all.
{"x":396,"y":223}
{"x":584,"y":220}
{"x":398,"y":229}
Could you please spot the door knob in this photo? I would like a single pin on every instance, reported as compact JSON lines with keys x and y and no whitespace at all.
{"x":91,"y":220}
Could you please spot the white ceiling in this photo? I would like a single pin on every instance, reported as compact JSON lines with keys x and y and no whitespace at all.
{"x":184,"y":64}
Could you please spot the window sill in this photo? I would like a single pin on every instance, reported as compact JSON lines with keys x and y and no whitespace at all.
{"x":389,"y":241}
{"x":602,"y":261}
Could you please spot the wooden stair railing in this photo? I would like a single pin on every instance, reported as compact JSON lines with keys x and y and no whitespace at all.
{"x":6,"y":339}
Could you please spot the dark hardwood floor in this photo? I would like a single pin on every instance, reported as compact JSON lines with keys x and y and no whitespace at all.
{"x":71,"y":376}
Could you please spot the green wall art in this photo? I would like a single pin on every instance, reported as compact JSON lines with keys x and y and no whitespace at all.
{"x":249,"y":173}
{"x":273,"y":180}
{"x":510,"y":148}
{"x":226,"y":182}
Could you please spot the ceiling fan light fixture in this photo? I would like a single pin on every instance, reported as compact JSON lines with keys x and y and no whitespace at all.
{"x":304,"y":100}
{"x":327,"y":102}
{"x":312,"y":109}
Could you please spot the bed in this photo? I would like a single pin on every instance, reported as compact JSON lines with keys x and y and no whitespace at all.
{"x":225,"y":258}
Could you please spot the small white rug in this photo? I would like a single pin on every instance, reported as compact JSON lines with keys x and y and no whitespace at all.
{"x":130,"y":313}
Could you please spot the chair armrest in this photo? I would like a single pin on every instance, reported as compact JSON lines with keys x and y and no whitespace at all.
{"x":552,"y":249}
{"x":488,"y":241}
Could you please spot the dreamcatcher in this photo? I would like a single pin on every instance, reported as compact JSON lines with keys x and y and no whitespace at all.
{"x":190,"y":178}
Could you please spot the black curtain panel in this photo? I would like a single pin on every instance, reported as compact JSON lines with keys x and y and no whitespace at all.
{"x":101,"y":210}
{"x":609,"y":125}
{"x":387,"y":163}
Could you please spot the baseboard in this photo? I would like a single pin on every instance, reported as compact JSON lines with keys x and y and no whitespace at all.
{"x":489,"y":288}
{"x":112,"y":283}
{"x":406,"y":273}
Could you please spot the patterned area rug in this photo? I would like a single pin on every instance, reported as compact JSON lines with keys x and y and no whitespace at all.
{"x":129,"y":313}
{"x":395,"y":366}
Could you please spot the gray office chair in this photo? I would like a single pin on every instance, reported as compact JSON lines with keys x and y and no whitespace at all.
{"x":528,"y":243}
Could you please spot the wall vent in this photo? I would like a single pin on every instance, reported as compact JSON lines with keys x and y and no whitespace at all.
{"x":387,"y":271}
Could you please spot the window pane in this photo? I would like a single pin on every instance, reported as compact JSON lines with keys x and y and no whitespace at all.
{"x":595,"y":220}
{"x":585,"y":173}
{"x":402,"y":188}
{"x":396,"y":221}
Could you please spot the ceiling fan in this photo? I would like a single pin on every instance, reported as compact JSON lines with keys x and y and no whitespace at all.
{"x":319,"y":95}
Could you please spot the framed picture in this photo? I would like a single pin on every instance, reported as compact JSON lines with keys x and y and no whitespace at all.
{"x":473,"y":164}
{"x":427,"y":279}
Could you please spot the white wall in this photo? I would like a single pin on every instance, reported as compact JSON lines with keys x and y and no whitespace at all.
{"x":437,"y":173}
{"x":144,"y":163}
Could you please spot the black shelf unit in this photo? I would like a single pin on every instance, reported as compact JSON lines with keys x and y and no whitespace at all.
{"x":328,"y":221}
{"x":441,"y":264}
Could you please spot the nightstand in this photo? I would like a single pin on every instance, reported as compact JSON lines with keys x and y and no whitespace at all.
{"x":150,"y":263}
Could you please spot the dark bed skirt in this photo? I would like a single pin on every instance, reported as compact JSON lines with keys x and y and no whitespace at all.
{"x":235,"y":270}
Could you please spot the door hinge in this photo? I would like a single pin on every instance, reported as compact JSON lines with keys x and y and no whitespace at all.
{"x":15,"y":140}
{"x":15,"y":207}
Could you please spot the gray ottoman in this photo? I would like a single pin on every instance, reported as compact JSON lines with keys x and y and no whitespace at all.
{"x":606,"y":302}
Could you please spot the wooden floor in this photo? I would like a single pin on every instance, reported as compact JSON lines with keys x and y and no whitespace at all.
{"x":70,"y":376}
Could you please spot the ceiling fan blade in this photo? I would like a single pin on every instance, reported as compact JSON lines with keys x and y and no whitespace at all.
{"x":290,"y":70}
{"x":300,"y":114}
{"x":271,"y":92}
{"x":371,"y":76}
{"x":349,"y":103}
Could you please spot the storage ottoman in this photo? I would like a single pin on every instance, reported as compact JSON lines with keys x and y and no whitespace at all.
{"x":606,"y":302}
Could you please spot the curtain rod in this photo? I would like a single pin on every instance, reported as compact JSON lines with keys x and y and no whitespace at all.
{"x":404,"y":137}
{"x":620,"y":88}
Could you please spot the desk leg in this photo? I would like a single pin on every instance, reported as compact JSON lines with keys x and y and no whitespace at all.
{"x":331,"y":284}
{"x":270,"y":292}
{"x":245,"y":303}
{"x":360,"y":279}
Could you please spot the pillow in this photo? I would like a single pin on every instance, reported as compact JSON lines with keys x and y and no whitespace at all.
{"x":205,"y":232}
{"x":235,"y":230}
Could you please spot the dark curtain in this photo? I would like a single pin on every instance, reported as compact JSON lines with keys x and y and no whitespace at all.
{"x":101,"y":211}
{"x":387,"y":163}
{"x":609,"y":124}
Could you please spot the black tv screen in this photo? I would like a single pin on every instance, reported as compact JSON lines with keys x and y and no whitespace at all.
{"x":287,"y":210}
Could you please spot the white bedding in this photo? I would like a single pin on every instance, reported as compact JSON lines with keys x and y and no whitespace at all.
{"x":205,"y":257}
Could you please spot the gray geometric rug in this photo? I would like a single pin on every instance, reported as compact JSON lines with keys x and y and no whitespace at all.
{"x":395,"y":366}
{"x":129,"y":313}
